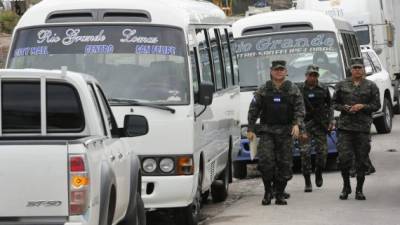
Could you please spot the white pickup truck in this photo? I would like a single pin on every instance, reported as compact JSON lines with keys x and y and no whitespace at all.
{"x":63,"y":160}
{"x":389,"y":94}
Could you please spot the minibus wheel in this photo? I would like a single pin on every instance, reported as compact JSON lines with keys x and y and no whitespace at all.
{"x":219,"y":188}
{"x":190,"y":214}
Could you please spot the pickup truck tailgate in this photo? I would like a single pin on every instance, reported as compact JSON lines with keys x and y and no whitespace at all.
{"x":33,"y":179}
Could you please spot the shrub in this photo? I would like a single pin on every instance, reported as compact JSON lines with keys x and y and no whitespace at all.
{"x":8,"y":20}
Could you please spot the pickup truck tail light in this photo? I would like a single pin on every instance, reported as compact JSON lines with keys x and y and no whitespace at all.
{"x":78,"y":185}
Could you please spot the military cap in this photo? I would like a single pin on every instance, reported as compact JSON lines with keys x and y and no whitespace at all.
{"x":278,"y":64}
{"x":312,"y":69}
{"x":357,"y":62}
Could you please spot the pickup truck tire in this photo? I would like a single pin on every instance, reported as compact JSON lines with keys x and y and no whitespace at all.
{"x":220,"y":187}
{"x":109,"y":210}
{"x":137,"y":215}
{"x":107,"y":197}
{"x":383,"y":124}
{"x":239,"y":170}
{"x":140,"y":212}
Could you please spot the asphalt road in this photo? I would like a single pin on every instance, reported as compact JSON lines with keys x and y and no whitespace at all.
{"x":322,"y":206}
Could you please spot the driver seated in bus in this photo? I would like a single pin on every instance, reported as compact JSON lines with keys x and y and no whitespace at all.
{"x":163,"y":82}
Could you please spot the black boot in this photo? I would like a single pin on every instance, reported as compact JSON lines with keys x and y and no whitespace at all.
{"x":318,"y":177}
{"x":286,"y":195}
{"x":370,"y":170}
{"x":267,"y":194}
{"x":308,"y":185}
{"x":346,"y":185}
{"x":359,"y":188}
{"x":280,"y":200}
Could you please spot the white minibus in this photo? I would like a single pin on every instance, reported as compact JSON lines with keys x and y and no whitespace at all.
{"x":171,"y":61}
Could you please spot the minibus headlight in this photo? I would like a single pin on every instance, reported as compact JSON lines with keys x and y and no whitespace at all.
{"x":167,"y":165}
{"x":243,"y":132}
{"x":149,"y":165}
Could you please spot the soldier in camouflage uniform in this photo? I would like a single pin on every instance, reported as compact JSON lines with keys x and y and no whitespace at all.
{"x":318,"y":122}
{"x":280,"y":107}
{"x":356,"y":98}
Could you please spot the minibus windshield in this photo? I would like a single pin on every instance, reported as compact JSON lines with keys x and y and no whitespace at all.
{"x":299,"y":50}
{"x":144,"y":63}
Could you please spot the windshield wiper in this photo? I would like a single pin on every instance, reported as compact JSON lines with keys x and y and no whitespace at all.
{"x":138,"y":103}
{"x":253,"y":87}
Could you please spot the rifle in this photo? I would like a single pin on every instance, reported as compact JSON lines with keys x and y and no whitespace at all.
{"x":319,"y":120}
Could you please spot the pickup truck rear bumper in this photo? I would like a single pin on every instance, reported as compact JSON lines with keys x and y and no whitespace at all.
{"x":167,"y":191}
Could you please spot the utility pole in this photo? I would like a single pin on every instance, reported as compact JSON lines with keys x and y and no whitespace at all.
{"x":19,"y":7}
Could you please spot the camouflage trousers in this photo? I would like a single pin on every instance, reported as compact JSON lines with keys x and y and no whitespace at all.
{"x":320,"y":147}
{"x":354,"y":144}
{"x":275,"y":158}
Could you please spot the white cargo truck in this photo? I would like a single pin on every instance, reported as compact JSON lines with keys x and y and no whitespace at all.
{"x":377,"y":25}
{"x":63,"y":161}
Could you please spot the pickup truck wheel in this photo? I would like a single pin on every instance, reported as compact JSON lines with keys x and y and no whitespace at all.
{"x":110,"y":211}
{"x":140,"y":212}
{"x":219,"y":188}
{"x":137,"y":216}
{"x":383,"y":124}
{"x":239,"y":170}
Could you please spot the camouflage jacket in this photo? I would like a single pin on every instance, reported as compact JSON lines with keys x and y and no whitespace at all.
{"x":321,"y":114}
{"x":347,"y":93}
{"x":257,"y":106}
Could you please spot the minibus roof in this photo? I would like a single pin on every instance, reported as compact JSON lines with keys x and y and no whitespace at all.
{"x":179,"y":13}
{"x":318,"y":20}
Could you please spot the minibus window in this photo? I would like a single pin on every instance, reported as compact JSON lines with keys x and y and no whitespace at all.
{"x":351,"y":46}
{"x":355,"y":45}
{"x":194,"y":63}
{"x":235,"y":64}
{"x":140,"y":62}
{"x":217,"y":59}
{"x":298,"y":49}
{"x":347,"y":48}
{"x":205,"y":56}
{"x":227,"y":58}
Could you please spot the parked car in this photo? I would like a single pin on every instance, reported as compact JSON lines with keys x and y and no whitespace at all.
{"x":63,"y":160}
{"x":377,"y":73}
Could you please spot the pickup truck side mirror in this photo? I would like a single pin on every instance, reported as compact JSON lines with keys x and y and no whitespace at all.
{"x":135,"y":125}
{"x":206,"y":92}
